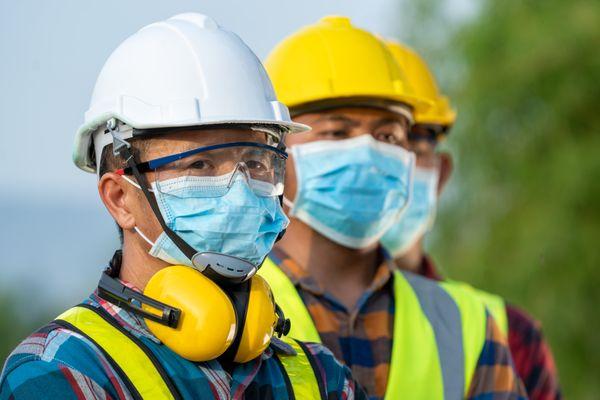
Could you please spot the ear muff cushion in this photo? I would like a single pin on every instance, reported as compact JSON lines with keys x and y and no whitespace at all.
{"x":260,"y":321}
{"x":207,"y":326}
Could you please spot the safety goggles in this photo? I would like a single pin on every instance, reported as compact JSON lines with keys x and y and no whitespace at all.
{"x":211,"y":170}
{"x":423,"y":141}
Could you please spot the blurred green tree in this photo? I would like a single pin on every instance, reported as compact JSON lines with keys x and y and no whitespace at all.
{"x":14,"y":325}
{"x":522,"y":214}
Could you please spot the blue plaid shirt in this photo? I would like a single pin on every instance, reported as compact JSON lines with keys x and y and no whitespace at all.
{"x":55,"y":363}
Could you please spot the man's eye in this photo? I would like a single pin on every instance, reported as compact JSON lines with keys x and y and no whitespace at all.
{"x":256,"y":165}
{"x":387,"y":138}
{"x":334,"y":134}
{"x":200,"y":164}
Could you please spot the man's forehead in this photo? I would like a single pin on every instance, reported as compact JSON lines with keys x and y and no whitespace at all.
{"x":356,"y":115}
{"x":182,"y":140}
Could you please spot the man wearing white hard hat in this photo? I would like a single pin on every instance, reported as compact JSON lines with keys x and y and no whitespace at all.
{"x":186,"y":137}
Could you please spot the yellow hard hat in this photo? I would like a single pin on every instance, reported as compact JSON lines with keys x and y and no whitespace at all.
{"x":423,"y":82}
{"x":333,"y":62}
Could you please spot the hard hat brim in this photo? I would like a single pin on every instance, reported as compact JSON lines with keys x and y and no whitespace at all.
{"x":82,"y":154}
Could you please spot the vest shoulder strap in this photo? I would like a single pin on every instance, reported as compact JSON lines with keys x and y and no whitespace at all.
{"x":137,"y":367}
{"x":302,"y":372}
{"x":495,"y":305}
{"x":287,"y":297}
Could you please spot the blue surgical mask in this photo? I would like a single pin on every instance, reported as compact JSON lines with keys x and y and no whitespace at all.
{"x":239,"y":223}
{"x":418,"y":217}
{"x":352,"y":190}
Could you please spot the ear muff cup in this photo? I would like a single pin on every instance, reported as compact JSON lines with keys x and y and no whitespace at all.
{"x":207,"y":325}
{"x":260,"y":321}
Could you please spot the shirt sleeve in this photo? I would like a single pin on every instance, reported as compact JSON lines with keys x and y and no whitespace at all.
{"x":48,"y":380}
{"x":339,"y":382}
{"x":495,"y":376}
{"x":532,"y":355}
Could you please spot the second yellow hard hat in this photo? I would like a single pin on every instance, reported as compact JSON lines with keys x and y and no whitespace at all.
{"x":423,"y":82}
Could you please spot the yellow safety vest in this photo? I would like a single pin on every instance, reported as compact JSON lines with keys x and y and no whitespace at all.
{"x":439,"y":333}
{"x":144,"y":376}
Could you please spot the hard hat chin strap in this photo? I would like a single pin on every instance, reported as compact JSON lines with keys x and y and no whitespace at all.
{"x":201,"y":261}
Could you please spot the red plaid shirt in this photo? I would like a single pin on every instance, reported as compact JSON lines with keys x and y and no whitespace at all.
{"x":532,"y":356}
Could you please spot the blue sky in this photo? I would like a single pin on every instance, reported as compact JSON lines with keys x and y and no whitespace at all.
{"x":55,"y":234}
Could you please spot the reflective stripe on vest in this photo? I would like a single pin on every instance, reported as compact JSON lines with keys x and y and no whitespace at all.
{"x":439,"y":332}
{"x":473,"y":323}
{"x":143,"y":377}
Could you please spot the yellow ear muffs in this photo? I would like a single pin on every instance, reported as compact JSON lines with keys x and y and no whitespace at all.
{"x":207,"y":325}
{"x":237,"y":325}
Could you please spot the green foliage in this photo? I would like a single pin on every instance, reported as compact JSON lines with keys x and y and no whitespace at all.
{"x":522,"y":216}
{"x":14,"y":327}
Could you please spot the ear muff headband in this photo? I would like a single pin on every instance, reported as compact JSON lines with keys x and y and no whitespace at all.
{"x":240,"y":296}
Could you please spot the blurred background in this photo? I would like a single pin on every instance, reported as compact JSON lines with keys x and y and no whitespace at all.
{"x":521,"y":216}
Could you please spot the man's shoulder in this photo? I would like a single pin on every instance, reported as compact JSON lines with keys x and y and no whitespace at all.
{"x":58,"y":362}
{"x":338,"y":378}
{"x":520,"y":320}
{"x":330,"y":367}
{"x":52,"y":344}
{"x":322,"y":355}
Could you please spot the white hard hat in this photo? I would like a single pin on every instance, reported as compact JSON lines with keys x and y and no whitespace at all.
{"x":185,"y":71}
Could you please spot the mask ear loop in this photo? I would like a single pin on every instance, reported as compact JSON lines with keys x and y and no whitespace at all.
{"x":287,"y":202}
{"x":139,"y":232}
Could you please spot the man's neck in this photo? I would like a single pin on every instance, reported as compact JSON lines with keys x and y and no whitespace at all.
{"x":138,"y":266}
{"x":341,"y":271}
{"x":412,"y":259}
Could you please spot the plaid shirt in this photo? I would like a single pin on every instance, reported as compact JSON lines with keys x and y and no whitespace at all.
{"x":532,"y":355}
{"x":362,"y":337}
{"x":55,"y":363}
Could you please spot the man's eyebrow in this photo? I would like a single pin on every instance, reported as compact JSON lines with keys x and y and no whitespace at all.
{"x":338,"y":118}
{"x":386,"y":121}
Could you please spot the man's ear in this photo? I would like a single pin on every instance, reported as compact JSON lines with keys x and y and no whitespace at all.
{"x":114,"y":193}
{"x":446,"y":167}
